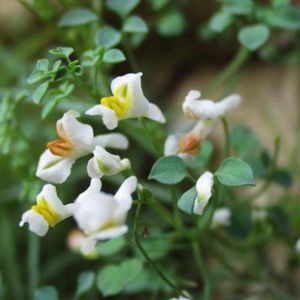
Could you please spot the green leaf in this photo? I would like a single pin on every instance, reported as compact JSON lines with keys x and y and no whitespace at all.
{"x":42,"y":65}
{"x":63,"y":52}
{"x":110,"y":281}
{"x":130,"y":269}
{"x":220,"y":21}
{"x":171,"y":24}
{"x":36,"y":76}
{"x":46,"y":293}
{"x":111,"y":247}
{"x":168,"y":170}
{"x":121,"y":7}
{"x":113,"y":56}
{"x":238,"y":7}
{"x":40,"y":92}
{"x":49,"y":107}
{"x":85,"y":282}
{"x":244,"y":142}
{"x":283,"y":17}
{"x":77,"y":16}
{"x":135,"y":24}
{"x":107,"y":37}
{"x":187,"y":200}
{"x":235,"y":172}
{"x":254,"y":36}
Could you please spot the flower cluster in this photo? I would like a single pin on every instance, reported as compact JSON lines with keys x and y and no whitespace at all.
{"x":98,"y":215}
{"x":186,"y":145}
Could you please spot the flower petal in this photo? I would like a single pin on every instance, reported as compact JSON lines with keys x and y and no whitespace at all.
{"x":54,"y":168}
{"x":138,"y":104}
{"x":172,"y":146}
{"x":111,"y":233}
{"x":154,"y":113}
{"x":195,"y":108}
{"x":111,"y":140}
{"x":123,"y":195}
{"x":37,"y":223}
{"x":109,"y":117}
{"x":77,"y":133}
{"x":204,"y":189}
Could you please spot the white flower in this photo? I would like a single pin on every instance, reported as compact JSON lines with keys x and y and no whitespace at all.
{"x":221,"y":217}
{"x":186,"y":145}
{"x":105,"y":163}
{"x":297,"y":247}
{"x":76,"y":140}
{"x":204,"y":191}
{"x":127,"y":101}
{"x":102,"y":216}
{"x":47,"y":211}
{"x":195,"y":108}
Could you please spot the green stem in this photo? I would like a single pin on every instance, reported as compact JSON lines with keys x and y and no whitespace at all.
{"x":33,"y":263}
{"x":177,"y":214}
{"x":145,"y":254}
{"x":227,"y":138}
{"x":237,"y":62}
{"x":129,"y":53}
{"x":202,"y":268}
{"x":164,"y":212}
{"x":158,"y":151}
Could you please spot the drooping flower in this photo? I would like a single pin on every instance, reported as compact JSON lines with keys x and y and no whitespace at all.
{"x":186,"y":145}
{"x":102,"y":216}
{"x":127,"y":101}
{"x":221,"y":217}
{"x":204,"y":191}
{"x":196,"y":108}
{"x":75,"y":140}
{"x":105,"y":163}
{"x":48,"y":211}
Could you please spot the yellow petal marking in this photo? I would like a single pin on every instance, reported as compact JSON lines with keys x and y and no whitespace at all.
{"x":48,"y":213}
{"x":119,"y":102}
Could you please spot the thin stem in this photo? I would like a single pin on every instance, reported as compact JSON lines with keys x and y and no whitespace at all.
{"x":202,"y":268}
{"x":84,"y":86}
{"x":161,"y":209}
{"x":227,"y":138}
{"x":150,"y":138}
{"x":96,"y":73}
{"x":177,"y":214}
{"x":237,"y":62}
{"x":33,"y":263}
{"x":129,"y":53}
{"x":145,"y":254}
